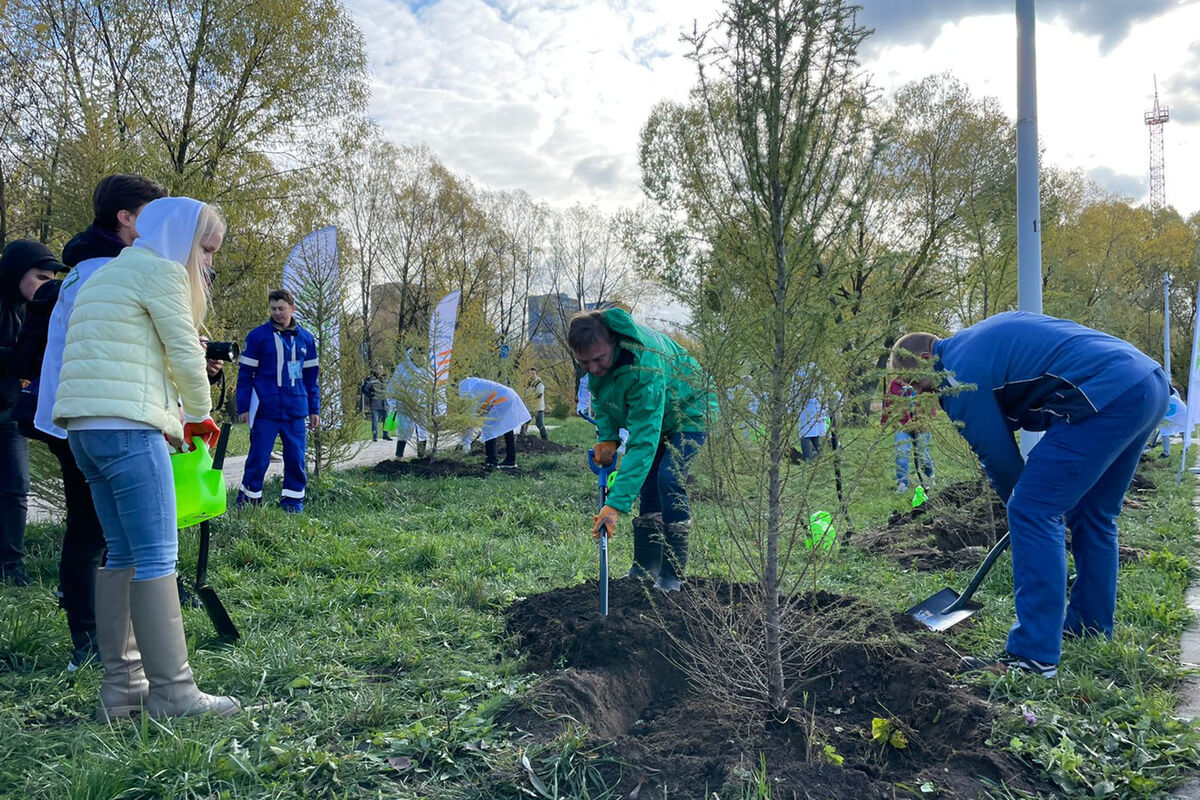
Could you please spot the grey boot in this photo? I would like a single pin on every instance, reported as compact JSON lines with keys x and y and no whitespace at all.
{"x":158,"y":623}
{"x":124,"y":689}
{"x":647,"y":547}
{"x":675,"y":553}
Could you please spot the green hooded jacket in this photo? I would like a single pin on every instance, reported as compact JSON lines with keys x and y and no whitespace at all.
{"x":654,"y":389}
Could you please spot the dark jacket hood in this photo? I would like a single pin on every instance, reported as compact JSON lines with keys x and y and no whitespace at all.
{"x":19,"y":257}
{"x":92,"y":243}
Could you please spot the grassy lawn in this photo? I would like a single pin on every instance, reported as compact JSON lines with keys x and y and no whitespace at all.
{"x":373,"y":641}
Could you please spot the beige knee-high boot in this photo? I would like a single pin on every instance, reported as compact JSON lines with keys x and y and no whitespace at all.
{"x":124,"y":688}
{"x":158,"y":624}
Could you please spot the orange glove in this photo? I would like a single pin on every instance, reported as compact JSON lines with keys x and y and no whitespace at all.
{"x":605,"y":521}
{"x":206,"y":429}
{"x":603,"y":452}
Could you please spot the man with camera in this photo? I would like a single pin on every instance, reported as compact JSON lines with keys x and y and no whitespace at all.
{"x":277,"y":394}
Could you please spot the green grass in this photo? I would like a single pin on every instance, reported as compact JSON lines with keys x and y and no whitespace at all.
{"x":373,"y":637}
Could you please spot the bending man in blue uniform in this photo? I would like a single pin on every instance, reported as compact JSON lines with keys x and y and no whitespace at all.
{"x":277,"y":395}
{"x":1098,"y":399}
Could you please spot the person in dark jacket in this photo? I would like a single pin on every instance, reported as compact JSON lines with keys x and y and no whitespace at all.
{"x":116,"y":202}
{"x":277,"y":375}
{"x":374,"y":392}
{"x":24,"y":267}
{"x":1098,"y":399}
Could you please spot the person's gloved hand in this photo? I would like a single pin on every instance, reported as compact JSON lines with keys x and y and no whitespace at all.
{"x":603,"y":452}
{"x":206,"y":429}
{"x":605,"y":521}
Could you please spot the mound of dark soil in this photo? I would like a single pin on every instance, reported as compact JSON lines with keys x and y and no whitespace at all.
{"x":952,"y":530}
{"x":529,"y":444}
{"x":438,"y":468}
{"x":536,"y":444}
{"x":621,"y":676}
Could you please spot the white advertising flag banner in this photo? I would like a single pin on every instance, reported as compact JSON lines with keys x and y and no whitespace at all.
{"x":441,"y":346}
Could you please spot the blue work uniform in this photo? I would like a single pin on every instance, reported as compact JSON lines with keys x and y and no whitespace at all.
{"x":278,"y":369}
{"x":1098,"y":399}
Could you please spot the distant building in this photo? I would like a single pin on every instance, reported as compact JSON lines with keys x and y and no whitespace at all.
{"x":548,"y":315}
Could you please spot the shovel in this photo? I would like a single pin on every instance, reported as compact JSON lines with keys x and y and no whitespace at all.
{"x":604,"y":477}
{"x":226,"y":630}
{"x":947,"y":608}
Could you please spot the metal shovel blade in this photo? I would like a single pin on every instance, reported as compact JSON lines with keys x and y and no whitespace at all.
{"x":947,"y":608}
{"x":933,"y":614}
{"x":225,"y":628}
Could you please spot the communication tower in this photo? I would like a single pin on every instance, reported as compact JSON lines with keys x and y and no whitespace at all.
{"x":1155,"y":119}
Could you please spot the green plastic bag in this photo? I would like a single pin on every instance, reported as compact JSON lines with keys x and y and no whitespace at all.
{"x":821,"y":532}
{"x":389,"y":422}
{"x":199,"y":489}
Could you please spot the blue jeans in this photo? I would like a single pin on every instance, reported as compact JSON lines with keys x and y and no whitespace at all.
{"x":903,"y":451}
{"x":665,"y":488}
{"x":294,"y":435}
{"x":1078,"y":475}
{"x":129,"y":473}
{"x":378,"y":415}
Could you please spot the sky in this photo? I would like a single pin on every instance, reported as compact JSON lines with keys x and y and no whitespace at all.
{"x":549,"y":96}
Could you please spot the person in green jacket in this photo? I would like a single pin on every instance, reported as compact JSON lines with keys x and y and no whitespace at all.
{"x":645,"y":382}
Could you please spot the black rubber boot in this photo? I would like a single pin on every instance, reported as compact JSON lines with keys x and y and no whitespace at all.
{"x":420,"y":449}
{"x":675,"y":553}
{"x":400,"y":445}
{"x":647,"y":547}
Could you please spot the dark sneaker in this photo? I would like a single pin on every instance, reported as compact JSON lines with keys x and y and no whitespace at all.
{"x":508,"y":466}
{"x":85,"y":654}
{"x":15,"y":575}
{"x":1006,"y":662}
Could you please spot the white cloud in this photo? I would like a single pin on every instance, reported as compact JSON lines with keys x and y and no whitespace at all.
{"x":550,"y":96}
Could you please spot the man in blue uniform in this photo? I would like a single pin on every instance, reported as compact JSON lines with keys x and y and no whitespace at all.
{"x":1098,"y":399}
{"x":277,"y":395}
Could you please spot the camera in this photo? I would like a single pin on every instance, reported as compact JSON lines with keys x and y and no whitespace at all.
{"x":222,"y":351}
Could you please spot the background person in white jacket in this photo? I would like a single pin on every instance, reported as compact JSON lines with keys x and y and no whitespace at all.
{"x":503,"y":411}
{"x":132,"y":348}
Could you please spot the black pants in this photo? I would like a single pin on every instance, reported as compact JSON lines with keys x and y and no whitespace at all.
{"x":83,"y":542}
{"x":809,"y":447}
{"x":14,"y":493}
{"x":510,"y":447}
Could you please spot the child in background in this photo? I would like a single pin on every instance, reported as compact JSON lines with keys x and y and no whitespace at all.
{"x":912,"y":431}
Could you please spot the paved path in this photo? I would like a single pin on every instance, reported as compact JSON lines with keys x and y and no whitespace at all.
{"x":370,"y":453}
{"x":1189,"y":655}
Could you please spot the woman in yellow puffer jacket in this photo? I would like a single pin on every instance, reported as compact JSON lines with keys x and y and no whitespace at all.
{"x":133,"y":348}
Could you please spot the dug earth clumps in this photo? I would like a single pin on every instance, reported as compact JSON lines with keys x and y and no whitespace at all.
{"x":956,"y":527}
{"x":623,"y":678}
{"x":952,"y":530}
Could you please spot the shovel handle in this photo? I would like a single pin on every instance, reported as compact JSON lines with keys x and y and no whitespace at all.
{"x":981,"y":573}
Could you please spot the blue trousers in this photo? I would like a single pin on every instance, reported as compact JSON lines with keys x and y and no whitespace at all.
{"x":129,"y":473}
{"x":293,"y":434}
{"x":1078,"y":475}
{"x":903,"y":452}
{"x":665,"y":488}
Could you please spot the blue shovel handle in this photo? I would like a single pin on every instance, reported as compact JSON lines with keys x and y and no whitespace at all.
{"x":602,"y":476}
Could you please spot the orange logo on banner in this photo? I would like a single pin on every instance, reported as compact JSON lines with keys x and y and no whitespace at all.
{"x":493,"y":400}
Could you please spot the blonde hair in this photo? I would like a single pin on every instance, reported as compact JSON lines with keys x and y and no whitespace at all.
{"x":208,"y":223}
